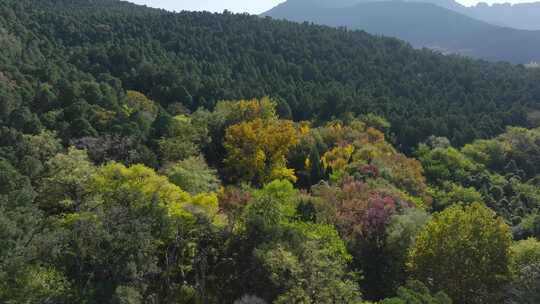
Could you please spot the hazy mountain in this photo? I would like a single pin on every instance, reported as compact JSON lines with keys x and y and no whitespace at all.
{"x":421,"y":24}
{"x":521,"y":16}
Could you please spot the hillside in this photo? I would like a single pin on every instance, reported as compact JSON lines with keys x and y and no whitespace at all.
{"x":196,"y":59}
{"x":423,"y":25}
{"x":196,"y":158}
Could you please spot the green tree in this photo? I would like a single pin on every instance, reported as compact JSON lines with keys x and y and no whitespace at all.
{"x":415,"y":292}
{"x":464,"y":251}
{"x":309,"y":273}
{"x":401,"y":234}
{"x":302,"y":262}
{"x":193,"y":175}
{"x":184,"y":138}
{"x":526,"y":270}
{"x":25,"y":276}
{"x":133,"y":231}
{"x":63,"y":187}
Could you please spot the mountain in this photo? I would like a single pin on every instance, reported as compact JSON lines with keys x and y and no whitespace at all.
{"x":521,"y":15}
{"x":423,"y":25}
{"x":525,"y":16}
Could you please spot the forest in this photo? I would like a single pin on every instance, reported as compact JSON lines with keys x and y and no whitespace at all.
{"x":197,"y":158}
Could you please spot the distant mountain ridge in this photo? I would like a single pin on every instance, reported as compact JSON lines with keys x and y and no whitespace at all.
{"x":521,"y":16}
{"x":422,"y":24}
{"x":524,"y":16}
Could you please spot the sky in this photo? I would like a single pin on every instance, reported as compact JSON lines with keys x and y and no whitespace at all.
{"x":249,"y":6}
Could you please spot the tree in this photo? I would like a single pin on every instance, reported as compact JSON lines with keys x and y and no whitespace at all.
{"x":234,"y":112}
{"x":64,"y":185}
{"x":133,"y":231}
{"x":193,"y":175}
{"x":451,"y":193}
{"x":526,"y":270}
{"x":316,"y":172}
{"x":310,"y":272}
{"x":140,"y":109}
{"x":257,"y":150}
{"x":26,"y":276}
{"x":401,"y":234}
{"x":184,"y":138}
{"x":415,"y":292}
{"x":464,"y":251}
{"x":304,"y":262}
{"x":446,"y":164}
{"x":107,"y":148}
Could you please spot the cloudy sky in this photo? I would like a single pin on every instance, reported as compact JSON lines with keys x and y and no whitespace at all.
{"x":250,"y":6}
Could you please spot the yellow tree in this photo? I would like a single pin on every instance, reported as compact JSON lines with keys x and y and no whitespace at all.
{"x":257,"y":150}
{"x":247,"y":110}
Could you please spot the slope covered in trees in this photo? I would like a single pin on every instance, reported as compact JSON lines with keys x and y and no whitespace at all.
{"x":117,"y":185}
{"x":423,"y":25}
{"x":82,"y":55}
{"x":369,"y":223}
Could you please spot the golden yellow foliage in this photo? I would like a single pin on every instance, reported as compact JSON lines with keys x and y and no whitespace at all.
{"x":338,"y":158}
{"x":257,"y":150}
{"x":247,"y":110}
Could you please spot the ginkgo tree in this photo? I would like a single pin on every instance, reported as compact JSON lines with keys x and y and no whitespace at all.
{"x":257,"y":150}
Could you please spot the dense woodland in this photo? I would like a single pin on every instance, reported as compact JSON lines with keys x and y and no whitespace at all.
{"x":196,"y":158}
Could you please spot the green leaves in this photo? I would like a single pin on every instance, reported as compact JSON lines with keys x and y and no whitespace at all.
{"x":464,"y":251}
{"x":526,"y":272}
{"x":193,"y":175}
{"x":415,"y":292}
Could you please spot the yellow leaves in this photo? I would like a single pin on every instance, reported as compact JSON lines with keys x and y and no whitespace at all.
{"x":335,"y":127}
{"x":137,"y":178}
{"x":338,"y":158}
{"x":182,"y":119}
{"x":136,"y":101}
{"x":140,"y":186}
{"x":283,"y":174}
{"x":207,"y":202}
{"x":69,"y":219}
{"x":247,"y":110}
{"x":257,"y":108}
{"x":304,"y":128}
{"x":374,"y":135}
{"x":257,"y":149}
{"x":307,"y":163}
{"x":176,"y":210}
